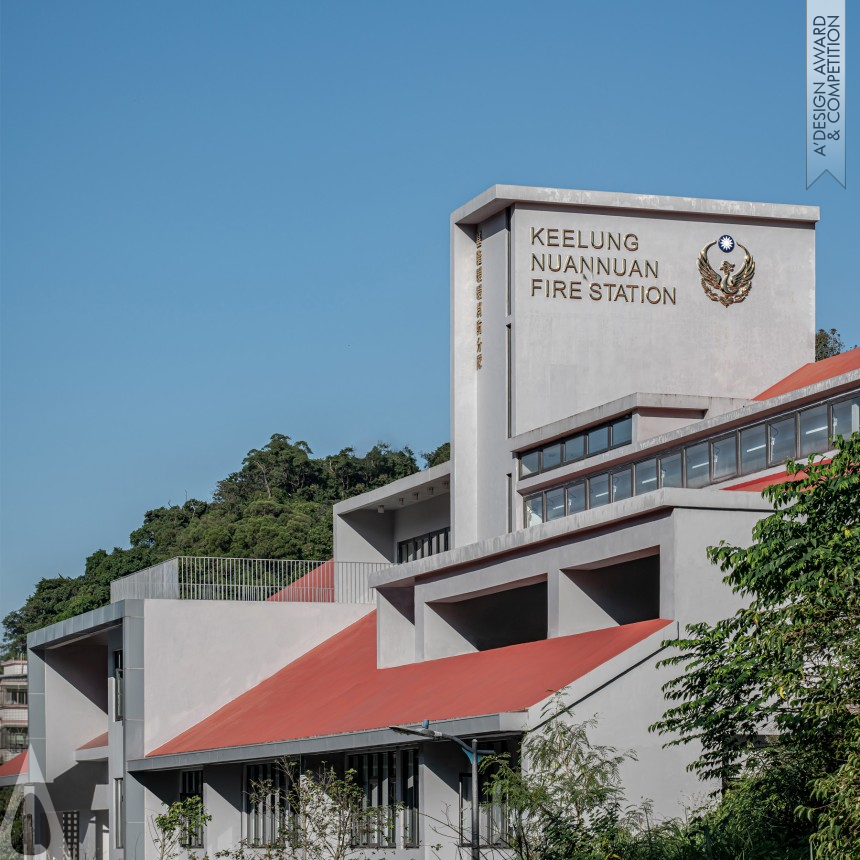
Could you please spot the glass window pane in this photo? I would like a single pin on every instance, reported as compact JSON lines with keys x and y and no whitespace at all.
{"x":813,"y":431}
{"x":551,"y":457}
{"x":555,"y":503}
{"x":724,"y":454}
{"x":574,"y":448}
{"x":622,"y":485}
{"x":622,"y":432}
{"x":576,"y":497}
{"x":646,"y":476}
{"x":598,"y":491}
{"x":598,"y":440}
{"x":697,"y":465}
{"x":534,"y":510}
{"x":529,"y":463}
{"x":753,"y":449}
{"x":782,"y":440}
{"x":846,"y":417}
{"x":670,"y":471}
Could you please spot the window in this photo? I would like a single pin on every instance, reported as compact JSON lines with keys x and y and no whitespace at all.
{"x":574,"y":448}
{"x":118,"y":813}
{"x":593,"y":441}
{"x":576,"y":498}
{"x":741,"y":452}
{"x":409,"y":797}
{"x":70,"y":822}
{"x":697,"y":465}
{"x":14,"y":696}
{"x":118,"y":686}
{"x":783,"y":444}
{"x":551,"y":457}
{"x":534,"y":510}
{"x":754,"y":449}
{"x":265,"y":804}
{"x":598,"y":491}
{"x":814,"y":431}
{"x":423,"y":545}
{"x":191,"y":785}
{"x":598,"y":440}
{"x":529,"y":463}
{"x":555,"y":503}
{"x":622,"y":431}
{"x":622,"y":484}
{"x":646,"y":476}
{"x":14,"y":738}
{"x":724,"y":457}
{"x":376,"y":775}
{"x":846,"y":417}
{"x":670,"y":470}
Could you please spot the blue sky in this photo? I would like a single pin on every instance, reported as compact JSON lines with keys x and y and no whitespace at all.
{"x":226,"y":220}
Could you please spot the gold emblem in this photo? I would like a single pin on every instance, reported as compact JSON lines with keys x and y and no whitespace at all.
{"x":731,"y":288}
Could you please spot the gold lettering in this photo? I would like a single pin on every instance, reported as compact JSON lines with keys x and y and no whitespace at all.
{"x":479,"y":292}
{"x":559,"y":287}
{"x":480,"y":361}
{"x":655,"y":301}
{"x":551,"y":238}
{"x":536,"y":238}
{"x":538,"y":264}
{"x":478,"y":258}
{"x":634,"y":269}
{"x":570,"y":264}
{"x":575,"y":290}
{"x":594,"y":243}
{"x":603,"y":263}
{"x":615,"y":266}
{"x":650,"y":268}
{"x":537,"y":285}
{"x":568,"y":238}
{"x":479,"y":274}
{"x":668,"y":296}
{"x":480,"y":309}
{"x":479,"y":327}
{"x":613,"y":239}
{"x":594,"y":292}
{"x":631,"y":242}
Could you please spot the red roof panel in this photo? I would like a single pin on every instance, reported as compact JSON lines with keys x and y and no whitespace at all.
{"x":337,"y":688}
{"x":15,"y":766}
{"x":815,"y":371}
{"x":99,"y":741}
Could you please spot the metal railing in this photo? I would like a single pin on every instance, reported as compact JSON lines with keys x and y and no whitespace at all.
{"x":277,"y":580}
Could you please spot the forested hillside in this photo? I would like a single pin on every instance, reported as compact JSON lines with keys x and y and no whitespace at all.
{"x":278,"y":505}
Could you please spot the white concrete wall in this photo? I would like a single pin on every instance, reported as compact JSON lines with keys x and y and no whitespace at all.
{"x":199,"y":655}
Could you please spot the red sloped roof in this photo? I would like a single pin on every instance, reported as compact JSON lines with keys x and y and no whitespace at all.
{"x":316,"y":586}
{"x":15,"y":766}
{"x":99,"y":741}
{"x":815,"y":371}
{"x":336,"y":687}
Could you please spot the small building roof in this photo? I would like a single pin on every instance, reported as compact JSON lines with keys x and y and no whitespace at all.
{"x":13,"y":768}
{"x":813,"y":372}
{"x":337,"y":688}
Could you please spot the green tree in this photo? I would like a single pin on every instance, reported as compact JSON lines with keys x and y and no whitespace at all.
{"x":170,"y":829}
{"x":565,"y":802}
{"x":437,"y":456}
{"x":785,"y":668}
{"x":827,"y":343}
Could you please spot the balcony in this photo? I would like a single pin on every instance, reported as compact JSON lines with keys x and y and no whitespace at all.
{"x":250,"y":579}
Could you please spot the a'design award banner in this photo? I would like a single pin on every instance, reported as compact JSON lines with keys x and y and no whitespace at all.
{"x":825,"y":90}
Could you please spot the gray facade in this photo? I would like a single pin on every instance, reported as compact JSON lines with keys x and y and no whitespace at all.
{"x":599,"y":446}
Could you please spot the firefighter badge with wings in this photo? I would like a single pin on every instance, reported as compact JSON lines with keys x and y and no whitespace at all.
{"x":730,"y":287}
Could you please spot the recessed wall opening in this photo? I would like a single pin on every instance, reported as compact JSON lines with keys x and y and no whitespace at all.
{"x":620,"y":593}
{"x":502,"y":618}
